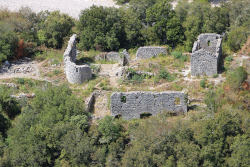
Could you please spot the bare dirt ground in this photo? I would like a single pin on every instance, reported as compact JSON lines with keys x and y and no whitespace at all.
{"x":35,"y":74}
{"x":110,"y":70}
{"x":70,"y":7}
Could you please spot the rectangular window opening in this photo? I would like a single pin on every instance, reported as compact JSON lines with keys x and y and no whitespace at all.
{"x":177,"y":101}
{"x":123,"y":99}
{"x":208,"y":43}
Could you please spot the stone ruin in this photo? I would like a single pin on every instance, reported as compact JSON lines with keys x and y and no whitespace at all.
{"x":147,"y":52}
{"x":205,"y":55}
{"x":123,"y":57}
{"x":130,"y":105}
{"x":76,"y":74}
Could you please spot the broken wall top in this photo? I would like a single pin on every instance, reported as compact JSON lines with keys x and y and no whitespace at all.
{"x":209,"y":42}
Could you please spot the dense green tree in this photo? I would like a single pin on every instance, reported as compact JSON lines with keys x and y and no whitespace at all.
{"x":194,"y":22}
{"x":110,"y":131}
{"x":164,"y":23}
{"x":236,"y":77}
{"x":101,"y":28}
{"x":239,"y":14}
{"x":133,"y":29}
{"x":237,"y":38}
{"x":240,"y":152}
{"x":37,"y":135}
{"x":57,"y":26}
{"x":8,"y":41}
{"x":9,"y":109}
{"x":77,"y":147}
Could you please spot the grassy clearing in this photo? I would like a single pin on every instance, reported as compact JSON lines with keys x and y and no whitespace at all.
{"x":47,"y":54}
{"x":26,"y":85}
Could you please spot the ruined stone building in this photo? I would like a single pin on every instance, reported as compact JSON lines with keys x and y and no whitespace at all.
{"x":147,"y":52}
{"x":205,"y":55}
{"x":131,"y":105}
{"x":76,"y":74}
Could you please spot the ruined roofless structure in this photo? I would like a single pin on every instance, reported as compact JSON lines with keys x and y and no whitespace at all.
{"x":76,"y":74}
{"x":205,"y":55}
{"x":131,"y":105}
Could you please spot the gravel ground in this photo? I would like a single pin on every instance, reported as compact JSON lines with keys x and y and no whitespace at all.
{"x":71,"y":7}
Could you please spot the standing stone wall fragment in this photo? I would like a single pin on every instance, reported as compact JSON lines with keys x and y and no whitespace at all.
{"x":206,"y":54}
{"x":76,"y":74}
{"x":147,"y":52}
{"x":130,"y":105}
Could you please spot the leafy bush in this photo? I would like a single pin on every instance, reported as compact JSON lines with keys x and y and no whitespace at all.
{"x":203,"y":82}
{"x":55,"y":72}
{"x":229,"y":58}
{"x":237,"y":38}
{"x":137,"y":77}
{"x":178,"y":55}
{"x":237,"y":77}
{"x":110,"y":131}
{"x":21,"y":81}
{"x":215,"y":75}
{"x":132,"y":71}
{"x":164,"y":74}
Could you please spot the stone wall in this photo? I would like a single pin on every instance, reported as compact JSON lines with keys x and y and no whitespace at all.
{"x":130,"y":105}
{"x":76,"y":74}
{"x":147,"y":52}
{"x":205,"y":55}
{"x":89,"y":102}
{"x":123,"y":58}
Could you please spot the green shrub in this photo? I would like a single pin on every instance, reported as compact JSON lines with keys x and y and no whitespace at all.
{"x":229,"y":58}
{"x":137,"y":77}
{"x":178,"y":55}
{"x":21,"y":81}
{"x":164,"y":74}
{"x":237,"y":38}
{"x":132,"y":71}
{"x":203,"y":82}
{"x":55,"y":72}
{"x":215,"y":75}
{"x":237,"y":77}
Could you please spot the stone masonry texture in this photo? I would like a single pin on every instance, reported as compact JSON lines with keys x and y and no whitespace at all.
{"x":76,"y":74}
{"x":205,"y":55}
{"x":123,"y":57}
{"x":130,"y":105}
{"x":147,"y":52}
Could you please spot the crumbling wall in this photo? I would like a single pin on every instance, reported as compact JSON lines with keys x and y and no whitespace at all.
{"x":123,"y":58}
{"x":130,"y":105}
{"x":206,"y":54}
{"x":89,"y":102}
{"x":75,"y":73}
{"x":147,"y":52}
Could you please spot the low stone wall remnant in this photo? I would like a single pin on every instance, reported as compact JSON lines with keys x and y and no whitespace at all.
{"x":131,"y":105}
{"x":123,"y":57}
{"x":147,"y":52}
